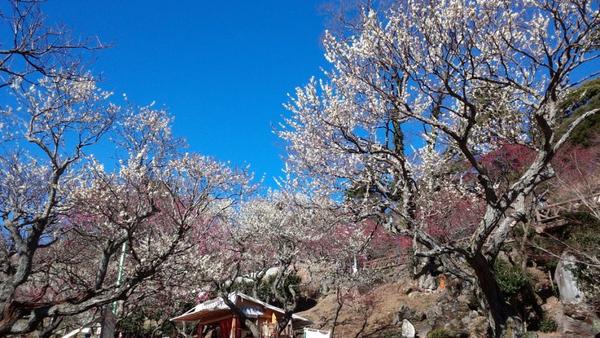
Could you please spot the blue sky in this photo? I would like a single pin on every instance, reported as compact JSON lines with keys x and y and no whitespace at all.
{"x":222,"y":68}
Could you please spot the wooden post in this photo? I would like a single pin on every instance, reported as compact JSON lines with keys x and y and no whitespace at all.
{"x":233,"y":333}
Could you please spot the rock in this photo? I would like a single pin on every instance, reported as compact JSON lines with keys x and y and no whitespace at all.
{"x":465,"y":321}
{"x":596,"y":325}
{"x":573,"y":315}
{"x":574,"y":320}
{"x":434,"y":313}
{"x":428,"y":282}
{"x":453,"y":325}
{"x":565,"y":279}
{"x":404,"y":312}
{"x":463,"y":299}
{"x":460,"y":307}
{"x":551,"y":303}
{"x":576,"y":327}
{"x":478,"y":327}
{"x":408,"y":330}
{"x":541,"y":279}
{"x":576,"y":312}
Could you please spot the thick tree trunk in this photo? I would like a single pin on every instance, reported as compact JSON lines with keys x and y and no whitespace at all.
{"x":250,"y":325}
{"x":503,"y":319}
{"x":8,"y":315}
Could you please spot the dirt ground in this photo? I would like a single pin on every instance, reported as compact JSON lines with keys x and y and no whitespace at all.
{"x":372,"y":314}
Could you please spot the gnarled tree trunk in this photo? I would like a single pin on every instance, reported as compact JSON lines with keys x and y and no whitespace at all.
{"x":504,"y":320}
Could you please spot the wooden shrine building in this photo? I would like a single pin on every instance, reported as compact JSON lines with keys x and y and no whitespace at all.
{"x":215,"y":319}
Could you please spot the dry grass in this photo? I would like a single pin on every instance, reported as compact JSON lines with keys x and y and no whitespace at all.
{"x":368,"y":314}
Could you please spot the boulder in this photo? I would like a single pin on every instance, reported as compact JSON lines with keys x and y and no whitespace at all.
{"x":566,"y":281}
{"x":428,"y":282}
{"x":573,"y":320}
{"x":541,"y":280}
{"x":478,"y":327}
{"x":435,"y":313}
{"x":404,"y":312}
{"x":579,"y":320}
{"x":408,"y":330}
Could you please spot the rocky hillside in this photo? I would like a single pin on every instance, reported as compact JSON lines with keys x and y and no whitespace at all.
{"x":379,"y":312}
{"x":447,"y":309}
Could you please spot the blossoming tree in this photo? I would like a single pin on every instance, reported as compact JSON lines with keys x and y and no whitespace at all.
{"x":414,"y":99}
{"x":66,"y":219}
{"x":264,"y":248}
{"x":29,"y":47}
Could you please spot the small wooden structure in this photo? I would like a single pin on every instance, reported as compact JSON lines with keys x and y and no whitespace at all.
{"x":383,"y":263}
{"x":550,"y":216}
{"x":216,"y":314}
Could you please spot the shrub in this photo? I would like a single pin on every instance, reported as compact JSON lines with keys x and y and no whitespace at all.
{"x":551,"y":264}
{"x":510,"y":278}
{"x":393,"y":334}
{"x":548,"y":325}
{"x":439,"y":333}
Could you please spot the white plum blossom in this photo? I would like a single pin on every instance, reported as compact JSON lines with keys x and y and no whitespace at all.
{"x":68,"y":217}
{"x":417,"y":96}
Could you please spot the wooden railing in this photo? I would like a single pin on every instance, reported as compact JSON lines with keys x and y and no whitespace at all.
{"x":382,"y":263}
{"x":550,"y":216}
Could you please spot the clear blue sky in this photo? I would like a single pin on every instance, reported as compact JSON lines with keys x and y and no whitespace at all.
{"x":222,"y":68}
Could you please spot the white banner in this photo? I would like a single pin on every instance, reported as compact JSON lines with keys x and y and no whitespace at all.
{"x":313,"y":333}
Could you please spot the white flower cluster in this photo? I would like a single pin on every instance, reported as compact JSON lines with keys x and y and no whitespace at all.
{"x":416,"y":96}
